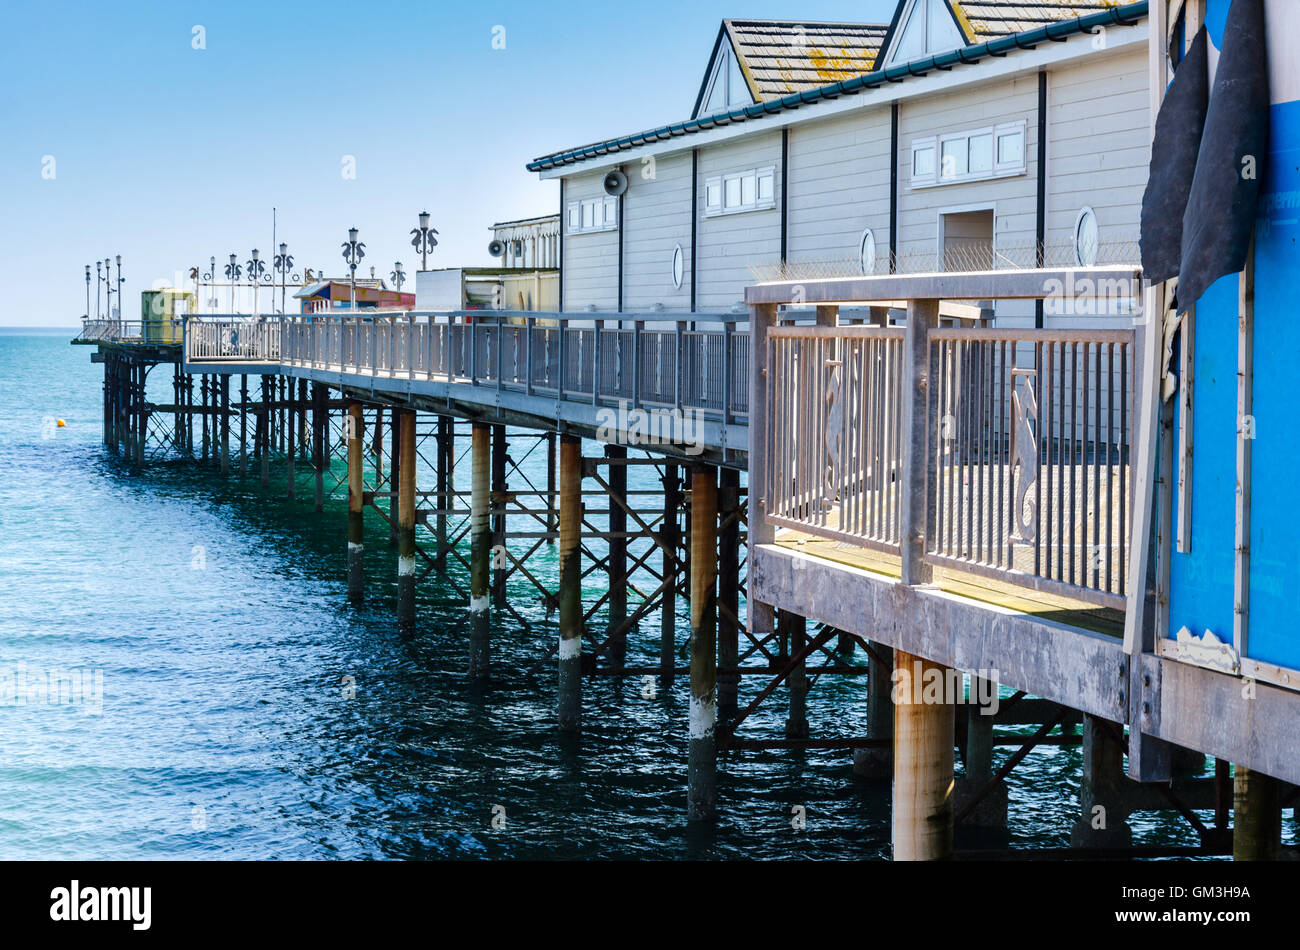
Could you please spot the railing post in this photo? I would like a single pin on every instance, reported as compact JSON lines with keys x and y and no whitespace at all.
{"x":761,"y":318}
{"x":473,"y":352}
{"x":637,"y":326}
{"x":559,"y":373}
{"x":595,"y":371}
{"x":529,"y":323}
{"x":677,"y":362}
{"x":922,"y":316}
{"x":500,"y":357}
{"x":428,"y":349}
{"x":727,"y":371}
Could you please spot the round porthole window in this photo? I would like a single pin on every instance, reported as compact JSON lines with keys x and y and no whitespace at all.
{"x":867,"y":252}
{"x":1086,"y":238}
{"x":678,"y":267}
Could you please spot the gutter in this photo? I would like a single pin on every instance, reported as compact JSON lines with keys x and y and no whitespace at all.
{"x":1127,"y":15}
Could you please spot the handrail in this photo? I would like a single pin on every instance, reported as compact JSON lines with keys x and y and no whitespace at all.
{"x":678,"y":362}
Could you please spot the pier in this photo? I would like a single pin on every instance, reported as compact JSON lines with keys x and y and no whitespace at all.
{"x":858,"y":478}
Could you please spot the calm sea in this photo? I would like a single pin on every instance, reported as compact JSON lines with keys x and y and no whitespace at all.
{"x":243,"y":710}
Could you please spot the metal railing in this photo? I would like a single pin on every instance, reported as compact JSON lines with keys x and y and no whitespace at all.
{"x":595,"y":357}
{"x":249,"y":339}
{"x":835,"y":439}
{"x":110,"y":331}
{"x":1027,"y":466}
{"x":1002,"y":453}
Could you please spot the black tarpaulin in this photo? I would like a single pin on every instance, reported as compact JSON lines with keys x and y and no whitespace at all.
{"x":1224,"y":199}
{"x":1179,"y":127}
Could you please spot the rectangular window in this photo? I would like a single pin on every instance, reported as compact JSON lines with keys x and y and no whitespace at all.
{"x":751,"y":190}
{"x":981,"y":154}
{"x":953,"y":156}
{"x":1011,"y":147}
{"x":923,"y":160}
{"x":593,"y":214}
{"x":713,"y":196}
{"x":973,"y":155}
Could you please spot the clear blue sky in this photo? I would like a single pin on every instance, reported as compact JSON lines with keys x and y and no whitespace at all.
{"x":169,"y":155}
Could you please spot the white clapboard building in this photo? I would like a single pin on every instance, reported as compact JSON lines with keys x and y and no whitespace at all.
{"x":961,"y":135}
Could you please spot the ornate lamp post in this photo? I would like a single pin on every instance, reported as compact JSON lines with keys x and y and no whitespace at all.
{"x":257,"y":273}
{"x":233,"y":273}
{"x":119,"y":283}
{"x":99,"y":279}
{"x":208,"y":278}
{"x":108,"y":288}
{"x":87,"y":291}
{"x":398,"y":276}
{"x":353,"y":251}
{"x":283,"y":263}
{"x":423,"y":240}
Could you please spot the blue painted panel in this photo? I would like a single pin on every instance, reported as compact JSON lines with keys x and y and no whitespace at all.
{"x":1201,"y":582}
{"x":1275,"y":460}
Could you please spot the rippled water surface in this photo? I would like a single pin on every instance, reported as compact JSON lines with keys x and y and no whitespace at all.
{"x":214,"y":611}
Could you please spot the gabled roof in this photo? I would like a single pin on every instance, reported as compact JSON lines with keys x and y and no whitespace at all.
{"x":779,"y":57}
{"x":1053,"y":20}
{"x":985,"y":19}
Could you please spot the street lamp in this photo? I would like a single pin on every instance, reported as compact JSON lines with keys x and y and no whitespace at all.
{"x":423,"y":240}
{"x":108,"y":288}
{"x":233,"y":273}
{"x":283,"y":263}
{"x":119,"y":283}
{"x":87,"y":291}
{"x":99,"y":277}
{"x":208,"y":278}
{"x":257,"y":272}
{"x":398,"y":275}
{"x":353,"y":251}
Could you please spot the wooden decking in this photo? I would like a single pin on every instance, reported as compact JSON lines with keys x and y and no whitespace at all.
{"x":1026,"y":600}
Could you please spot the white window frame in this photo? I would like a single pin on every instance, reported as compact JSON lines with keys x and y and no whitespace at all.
{"x":607,"y":220}
{"x":996,"y":170}
{"x":720,"y":182}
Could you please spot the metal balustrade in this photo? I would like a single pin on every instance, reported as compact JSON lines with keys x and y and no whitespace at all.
{"x":691,"y":363}
{"x":1028,"y":457}
{"x":1003,"y":453}
{"x":835,"y":440}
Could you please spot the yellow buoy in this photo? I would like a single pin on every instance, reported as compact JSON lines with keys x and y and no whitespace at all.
{"x":61,"y":423}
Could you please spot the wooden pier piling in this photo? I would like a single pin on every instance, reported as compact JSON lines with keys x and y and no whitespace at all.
{"x":225,"y":425}
{"x":876,"y":761}
{"x":319,"y":427}
{"x":617,"y":552}
{"x":668,"y":612}
{"x":1256,"y":816}
{"x":355,"y":431}
{"x":405,"y":522}
{"x":480,"y":552}
{"x":702,"y":796}
{"x":923,"y":764}
{"x":794,"y":631}
{"x":446,"y":457}
{"x":728,"y":592}
{"x":569,"y":700}
{"x":1103,"y":818}
{"x":498,"y":506}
